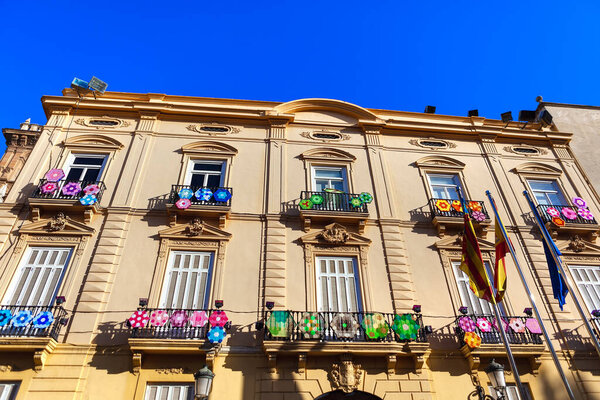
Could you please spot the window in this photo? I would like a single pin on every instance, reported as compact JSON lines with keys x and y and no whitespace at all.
{"x":444,"y":186}
{"x":512,"y":392}
{"x":172,"y":391}
{"x":337,"y":284}
{"x":8,"y":390}
{"x":587,"y":278}
{"x":476,"y":305}
{"x":85,"y":167}
{"x":187,"y":280}
{"x":329,"y":178}
{"x":202,"y":173}
{"x":38,"y":277}
{"x":546,"y":193}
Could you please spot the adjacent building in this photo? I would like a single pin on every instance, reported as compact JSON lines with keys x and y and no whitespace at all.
{"x":301,"y":250}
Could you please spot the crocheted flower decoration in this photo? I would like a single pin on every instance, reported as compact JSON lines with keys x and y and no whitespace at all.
{"x":222,"y":195}
{"x":504,"y":324}
{"x":54,"y":175}
{"x":216,"y":334}
{"x":344,"y":325}
{"x":317,"y":199}
{"x":366,"y":197}
{"x":139,"y":319}
{"x":585,"y":214}
{"x":306,"y":204}
{"x":405,"y":327}
{"x":43,"y":320}
{"x":310,"y":325}
{"x":472,"y":340}
{"x":558,"y":221}
{"x":355,"y":202}
{"x":185,"y":193}
{"x":280,"y":324}
{"x":457,"y":206}
{"x":466,"y":324}
{"x":91,"y":189}
{"x":198,"y":319}
{"x":579,"y":202}
{"x":22,"y":318}
{"x":533,"y":325}
{"x":484,"y":325}
{"x":218,"y":318}
{"x":203,"y":194}
{"x":5,"y":317}
{"x":568,"y":213}
{"x":478,"y":216}
{"x":474,"y":205}
{"x":517,"y":325}
{"x":159,"y":318}
{"x":88,"y":200}
{"x":179,"y":319}
{"x":182,"y":204}
{"x":443,"y":205}
{"x":553,"y":212}
{"x":71,"y":189}
{"x":49,"y":187}
{"x":375,"y":326}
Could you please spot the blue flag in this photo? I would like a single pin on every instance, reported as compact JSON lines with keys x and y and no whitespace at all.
{"x":559,"y":289}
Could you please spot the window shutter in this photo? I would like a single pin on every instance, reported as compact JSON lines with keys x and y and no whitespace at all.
{"x":187,"y":280}
{"x":169,"y":392}
{"x":336,"y":284}
{"x":8,"y":390}
{"x":587,"y":278}
{"x":476,"y":305}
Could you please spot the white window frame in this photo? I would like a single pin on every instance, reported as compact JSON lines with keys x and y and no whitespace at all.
{"x":589,"y":288}
{"x":187,"y":394}
{"x":344,"y":178}
{"x":462,"y":283}
{"x":39,"y":285}
{"x":558,"y":191}
{"x":71,"y":160}
{"x":455,"y":178}
{"x":171,"y":269}
{"x":354,"y":277}
{"x":8,"y":390}
{"x":190,"y":170}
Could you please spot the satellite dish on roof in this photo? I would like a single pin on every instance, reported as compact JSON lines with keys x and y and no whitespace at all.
{"x":97,"y":85}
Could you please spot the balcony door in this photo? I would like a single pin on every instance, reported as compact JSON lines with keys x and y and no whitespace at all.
{"x":38,"y":277}
{"x":444,"y":186}
{"x":85,"y":167}
{"x":587,"y":279}
{"x":337,"y":284}
{"x":187,"y":281}
{"x":203,"y":173}
{"x":547,"y":192}
{"x":476,"y":305}
{"x":329,"y":178}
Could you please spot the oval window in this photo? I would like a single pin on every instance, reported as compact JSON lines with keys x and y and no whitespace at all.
{"x":103,"y":122}
{"x":327,"y":136}
{"x":219,"y":129}
{"x":438,"y":144}
{"x":525,"y":150}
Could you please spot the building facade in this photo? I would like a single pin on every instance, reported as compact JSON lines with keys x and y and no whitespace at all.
{"x":301,"y":250}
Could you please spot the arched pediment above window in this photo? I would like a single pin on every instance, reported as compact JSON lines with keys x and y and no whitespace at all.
{"x":439,"y":161}
{"x":209,"y":148}
{"x":93,"y":142}
{"x":329,"y":154}
{"x":537,"y":168}
{"x":327,"y":105}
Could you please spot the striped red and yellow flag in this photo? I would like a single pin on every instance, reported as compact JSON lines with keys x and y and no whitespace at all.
{"x":472,"y":263}
{"x":500,"y":267}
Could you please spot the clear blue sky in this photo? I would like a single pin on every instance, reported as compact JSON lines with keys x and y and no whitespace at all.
{"x":456,"y":55}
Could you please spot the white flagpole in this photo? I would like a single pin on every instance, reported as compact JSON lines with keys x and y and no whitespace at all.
{"x":532,"y":300}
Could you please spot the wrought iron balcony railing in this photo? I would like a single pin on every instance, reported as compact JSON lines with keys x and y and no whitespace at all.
{"x":569,"y":214}
{"x":32,"y":321}
{"x":201,"y":195}
{"x":595,"y":321}
{"x":453,"y":208}
{"x":343,"y":327}
{"x":519,"y":330}
{"x":178,"y":323}
{"x":332,"y":202}
{"x":70,"y":190}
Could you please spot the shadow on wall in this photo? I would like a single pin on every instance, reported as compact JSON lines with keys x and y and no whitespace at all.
{"x":25,"y":192}
{"x":290,"y":207}
{"x":444,"y":338}
{"x":420,"y":214}
{"x":158,"y":202}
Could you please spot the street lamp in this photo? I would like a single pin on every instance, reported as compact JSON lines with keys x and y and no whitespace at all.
{"x":203,"y":383}
{"x":495,"y":373}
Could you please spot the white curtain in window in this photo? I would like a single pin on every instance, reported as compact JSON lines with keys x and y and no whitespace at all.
{"x":171,"y":391}
{"x":337,"y":284}
{"x":187,"y":280}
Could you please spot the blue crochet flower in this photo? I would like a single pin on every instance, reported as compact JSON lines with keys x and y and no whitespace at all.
{"x":222,"y":195}
{"x":185,"y":193}
{"x":43,"y":320}
{"x":216,"y":334}
{"x":203,"y":194}
{"x":88,"y":200}
{"x":5,"y":316}
{"x":22,"y":318}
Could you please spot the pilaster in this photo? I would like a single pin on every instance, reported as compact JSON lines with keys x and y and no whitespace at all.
{"x":275,"y":262}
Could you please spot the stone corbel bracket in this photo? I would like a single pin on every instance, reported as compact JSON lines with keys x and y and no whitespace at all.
{"x":41,"y":347}
{"x":533,"y":352}
{"x":139,"y":347}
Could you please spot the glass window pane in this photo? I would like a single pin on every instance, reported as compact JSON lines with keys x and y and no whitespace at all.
{"x":338,"y":185}
{"x":197,"y":180}
{"x":88,"y":161}
{"x":74,"y":174}
{"x":447,"y":180}
{"x":214,"y":181}
{"x":329,"y":173}
{"x":91,"y":175}
{"x":543,"y":185}
{"x":207,"y":167}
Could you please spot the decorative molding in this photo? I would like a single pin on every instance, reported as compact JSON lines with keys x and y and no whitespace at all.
{"x":576,"y":244}
{"x":422,"y":143}
{"x":57,"y":223}
{"x":537,"y":168}
{"x":209,"y":148}
{"x":536,"y":150}
{"x":329,"y":154}
{"x":93,"y":142}
{"x":170,"y":371}
{"x":439,"y":161}
{"x":6,"y":367}
{"x":195,"y":227}
{"x":120,"y":123}
{"x":312,"y":135}
{"x":335,"y":234}
{"x":213,"y":129}
{"x":346,"y":376}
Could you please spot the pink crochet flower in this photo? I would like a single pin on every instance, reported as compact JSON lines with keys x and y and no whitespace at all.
{"x":49,"y":187}
{"x":466,"y":324}
{"x":218,"y":318}
{"x":585,"y":214}
{"x":198,"y":319}
{"x":159,"y":318}
{"x":504,"y":324}
{"x":569,"y":213}
{"x":478,"y":216}
{"x":533,"y":325}
{"x":71,"y":189}
{"x":553,"y":212}
{"x":484,"y":325}
{"x":139,"y":319}
{"x":91,"y":189}
{"x":517,"y":325}
{"x":179,"y":319}
{"x":183,"y":203}
{"x":579,"y":202}
{"x":55,"y":175}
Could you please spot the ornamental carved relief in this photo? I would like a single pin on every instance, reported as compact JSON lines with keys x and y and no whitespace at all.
{"x":335,"y":235}
{"x":196,"y":226}
{"x":57,"y":223}
{"x":576,"y":244}
{"x":346,"y":376}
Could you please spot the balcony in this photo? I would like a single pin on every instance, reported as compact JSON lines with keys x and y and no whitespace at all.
{"x":31,"y":329}
{"x":568,"y":219}
{"x":449,"y":214}
{"x":82,"y":196}
{"x":199,"y":201}
{"x":329,"y":333}
{"x":176,"y":331}
{"x":330,"y":207}
{"x":523,"y":333}
{"x":595,"y":322}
